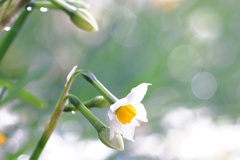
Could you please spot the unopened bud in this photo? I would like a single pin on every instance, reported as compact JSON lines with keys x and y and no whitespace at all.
{"x":89,"y":76}
{"x":79,"y":16}
{"x":98,"y":102}
{"x":84,"y":20}
{"x":115,"y":143}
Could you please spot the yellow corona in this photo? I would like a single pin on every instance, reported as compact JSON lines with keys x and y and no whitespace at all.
{"x":126,"y":113}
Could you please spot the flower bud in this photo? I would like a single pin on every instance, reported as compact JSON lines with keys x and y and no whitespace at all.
{"x":98,"y":102}
{"x":89,"y":76}
{"x":115,"y":143}
{"x":79,"y":16}
{"x":84,"y":20}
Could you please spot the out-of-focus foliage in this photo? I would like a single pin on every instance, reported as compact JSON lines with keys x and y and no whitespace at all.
{"x":187,"y":49}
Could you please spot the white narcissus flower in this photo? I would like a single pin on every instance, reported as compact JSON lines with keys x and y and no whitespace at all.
{"x":125,"y":113}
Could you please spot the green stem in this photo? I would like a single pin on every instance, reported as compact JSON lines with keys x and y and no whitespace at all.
{"x":53,"y":120}
{"x":108,"y":95}
{"x":98,"y":102}
{"x":90,"y":77}
{"x":49,"y":4}
{"x":10,"y":35}
{"x":103,"y":131}
{"x":97,"y":124}
{"x":64,"y":6}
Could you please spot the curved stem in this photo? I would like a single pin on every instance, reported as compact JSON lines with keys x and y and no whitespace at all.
{"x":90,"y":77}
{"x":97,"y":124}
{"x":51,"y":124}
{"x":76,"y":102}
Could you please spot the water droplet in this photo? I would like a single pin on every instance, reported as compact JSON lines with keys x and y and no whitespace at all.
{"x":73,"y":112}
{"x":43,"y":9}
{"x":29,"y":8}
{"x":7,"y":28}
{"x":23,"y":157}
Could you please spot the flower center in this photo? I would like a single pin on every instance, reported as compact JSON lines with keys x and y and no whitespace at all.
{"x":126,"y":113}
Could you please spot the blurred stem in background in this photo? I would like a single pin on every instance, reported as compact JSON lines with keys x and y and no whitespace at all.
{"x":12,"y":33}
{"x":4,"y":10}
{"x":76,"y":10}
{"x":5,"y":20}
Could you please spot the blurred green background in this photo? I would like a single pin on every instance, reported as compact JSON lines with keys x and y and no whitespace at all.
{"x":187,"y":49}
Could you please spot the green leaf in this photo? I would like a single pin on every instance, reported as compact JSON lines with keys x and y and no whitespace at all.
{"x":23,"y":95}
{"x":16,"y":90}
{"x":32,"y":100}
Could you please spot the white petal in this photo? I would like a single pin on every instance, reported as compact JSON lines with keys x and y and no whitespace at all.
{"x":115,"y":126}
{"x":134,"y":98}
{"x":119,"y":103}
{"x":136,"y":95}
{"x":110,"y":114}
{"x":112,"y":128}
{"x":128,"y":130}
{"x":111,"y":132}
{"x":141,"y":112}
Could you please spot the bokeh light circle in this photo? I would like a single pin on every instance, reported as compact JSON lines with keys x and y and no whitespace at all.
{"x":205,"y":23}
{"x":204,"y":85}
{"x":184,"y":62}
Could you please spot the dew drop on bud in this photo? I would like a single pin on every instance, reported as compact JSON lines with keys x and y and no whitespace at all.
{"x":29,"y":8}
{"x":7,"y":28}
{"x":43,"y":9}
